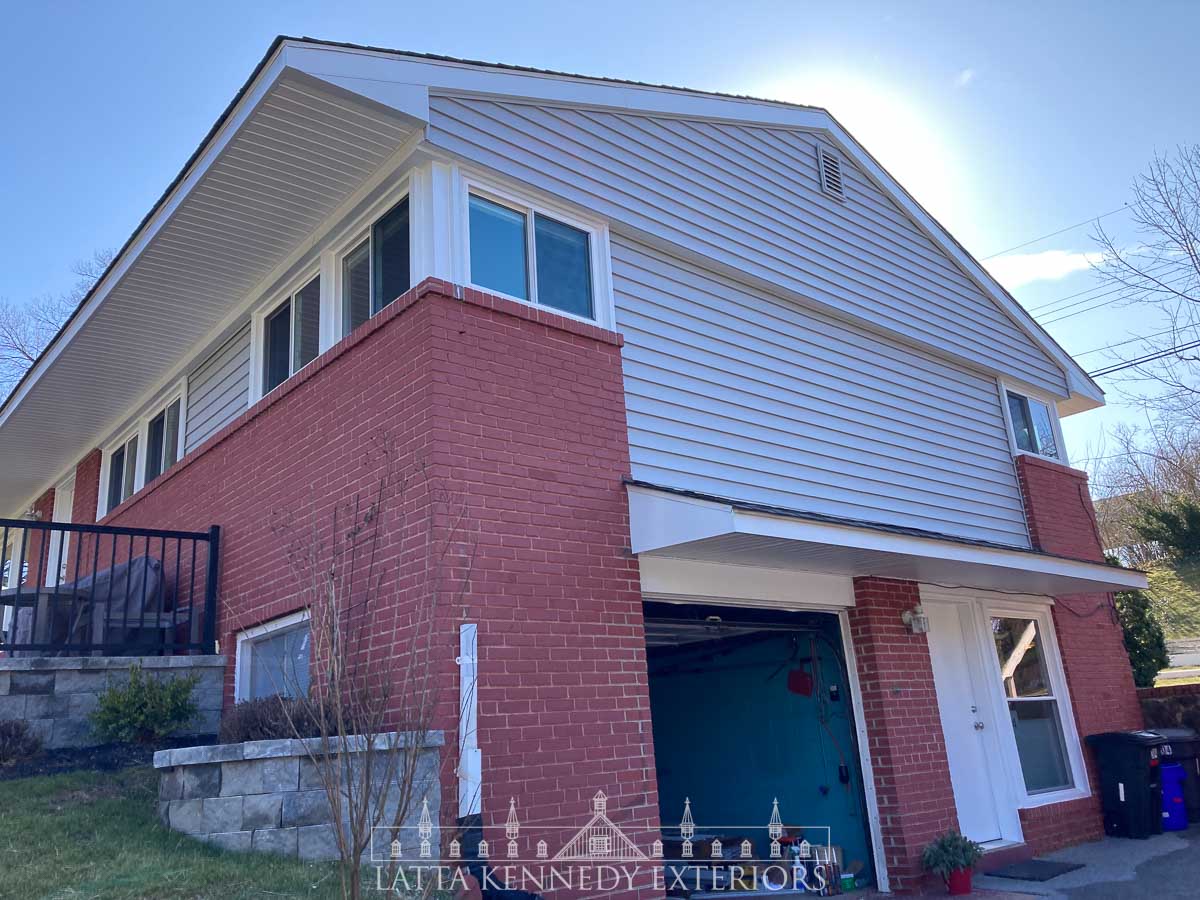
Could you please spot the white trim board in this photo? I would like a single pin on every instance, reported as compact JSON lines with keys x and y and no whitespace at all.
{"x":663,"y":524}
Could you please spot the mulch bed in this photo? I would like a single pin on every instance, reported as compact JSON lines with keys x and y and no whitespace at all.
{"x":103,"y":758}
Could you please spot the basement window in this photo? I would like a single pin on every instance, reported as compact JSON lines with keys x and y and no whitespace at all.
{"x":290,"y":335}
{"x":523,"y":253}
{"x":1034,"y":426}
{"x":273,"y":658}
{"x":376,"y":271}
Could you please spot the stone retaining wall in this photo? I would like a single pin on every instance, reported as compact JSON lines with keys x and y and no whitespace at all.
{"x":56,"y":694}
{"x":268,"y":796}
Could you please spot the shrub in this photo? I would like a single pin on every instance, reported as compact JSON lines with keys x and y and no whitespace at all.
{"x":1144,"y":639}
{"x":950,"y":852}
{"x":145,"y":709}
{"x":267,"y":719}
{"x":18,"y":742}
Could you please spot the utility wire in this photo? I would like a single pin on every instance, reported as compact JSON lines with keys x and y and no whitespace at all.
{"x":1132,"y":340}
{"x":1149,"y":357}
{"x":1151,"y":270}
{"x":1060,"y":231}
{"x":1119,"y":291}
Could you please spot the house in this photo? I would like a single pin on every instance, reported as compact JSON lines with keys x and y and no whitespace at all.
{"x":762,"y":472}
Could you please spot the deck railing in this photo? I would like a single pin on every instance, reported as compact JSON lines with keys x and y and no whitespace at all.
{"x":102,"y":590}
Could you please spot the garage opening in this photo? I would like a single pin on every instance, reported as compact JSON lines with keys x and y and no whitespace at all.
{"x":754,"y":728}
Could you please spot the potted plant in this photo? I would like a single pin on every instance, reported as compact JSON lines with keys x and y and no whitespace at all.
{"x":952,"y":856}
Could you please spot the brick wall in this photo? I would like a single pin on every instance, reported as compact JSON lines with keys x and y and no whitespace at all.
{"x":1062,"y":521}
{"x":904,"y":728}
{"x":509,"y":425}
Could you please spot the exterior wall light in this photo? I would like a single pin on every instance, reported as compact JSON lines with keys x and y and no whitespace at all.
{"x":915,"y":619}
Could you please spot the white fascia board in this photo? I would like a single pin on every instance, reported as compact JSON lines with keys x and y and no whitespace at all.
{"x":660,"y":520}
{"x":664,"y":578}
{"x":351,"y":67}
{"x":952,"y":551}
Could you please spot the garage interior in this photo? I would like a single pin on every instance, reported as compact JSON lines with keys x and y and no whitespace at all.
{"x":750,"y":706}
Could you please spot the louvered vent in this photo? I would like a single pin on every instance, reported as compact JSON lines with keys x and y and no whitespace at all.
{"x":830,"y":165}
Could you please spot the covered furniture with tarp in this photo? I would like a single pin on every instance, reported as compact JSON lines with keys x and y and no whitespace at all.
{"x":128,"y":609}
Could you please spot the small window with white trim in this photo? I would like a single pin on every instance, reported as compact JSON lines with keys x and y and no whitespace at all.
{"x":122,"y":471}
{"x":521,"y":252}
{"x":291,"y":335}
{"x":273,"y":658}
{"x":1034,"y":425}
{"x":163,"y":439}
{"x":377,"y":270}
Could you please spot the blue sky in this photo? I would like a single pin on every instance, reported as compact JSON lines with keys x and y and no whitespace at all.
{"x":1008,"y":121}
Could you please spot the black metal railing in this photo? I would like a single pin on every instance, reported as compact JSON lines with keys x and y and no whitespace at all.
{"x":102,"y":590}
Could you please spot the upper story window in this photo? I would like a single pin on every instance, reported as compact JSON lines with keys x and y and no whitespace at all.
{"x":291,"y":332}
{"x":1034,"y":425}
{"x":147,"y":450}
{"x":520,"y":252}
{"x":162,"y":440}
{"x":122,"y":471}
{"x":377,"y":270}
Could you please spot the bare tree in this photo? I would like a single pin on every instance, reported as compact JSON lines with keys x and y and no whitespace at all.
{"x":377,"y":632}
{"x":1159,"y":271}
{"x":26,"y":329}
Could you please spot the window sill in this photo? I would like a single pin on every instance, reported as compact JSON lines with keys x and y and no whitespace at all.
{"x":1034,"y":801}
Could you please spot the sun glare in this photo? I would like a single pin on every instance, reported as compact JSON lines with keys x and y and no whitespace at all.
{"x":907,"y":139}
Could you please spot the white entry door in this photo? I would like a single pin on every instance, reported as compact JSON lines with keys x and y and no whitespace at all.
{"x":986,"y":810}
{"x":60,"y":541}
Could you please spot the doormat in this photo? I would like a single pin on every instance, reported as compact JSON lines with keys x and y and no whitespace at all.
{"x":1035,"y":870}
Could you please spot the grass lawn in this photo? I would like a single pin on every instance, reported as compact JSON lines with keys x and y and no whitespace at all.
{"x":95,"y":835}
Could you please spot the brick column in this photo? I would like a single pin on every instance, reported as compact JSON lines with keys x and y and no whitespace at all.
{"x":904,"y":728}
{"x":1062,"y":521}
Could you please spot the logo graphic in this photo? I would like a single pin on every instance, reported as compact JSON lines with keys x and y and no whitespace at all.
{"x":714,"y":858}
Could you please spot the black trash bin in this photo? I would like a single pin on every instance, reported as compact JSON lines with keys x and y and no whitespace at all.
{"x":1130,"y":782}
{"x":1183,"y":747}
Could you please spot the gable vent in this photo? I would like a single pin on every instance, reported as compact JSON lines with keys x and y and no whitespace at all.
{"x":830,"y":166}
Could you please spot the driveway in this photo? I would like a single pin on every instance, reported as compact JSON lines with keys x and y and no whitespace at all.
{"x":1165,"y":867}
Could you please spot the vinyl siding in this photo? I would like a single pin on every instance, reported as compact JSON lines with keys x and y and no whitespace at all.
{"x":749,"y":198}
{"x":733,"y":392}
{"x":219,"y":389}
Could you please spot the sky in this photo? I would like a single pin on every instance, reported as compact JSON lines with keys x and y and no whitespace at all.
{"x":1007,"y":121}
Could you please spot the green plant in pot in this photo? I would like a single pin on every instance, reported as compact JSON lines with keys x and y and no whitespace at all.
{"x":952,"y":856}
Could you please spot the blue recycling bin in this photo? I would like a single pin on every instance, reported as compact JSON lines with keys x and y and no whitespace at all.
{"x":1174,"y":810}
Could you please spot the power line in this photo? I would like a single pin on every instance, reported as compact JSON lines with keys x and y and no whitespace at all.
{"x":1149,"y":357}
{"x":1120,"y":291}
{"x":1150,"y":270}
{"x":1060,"y":231}
{"x":1132,"y":340}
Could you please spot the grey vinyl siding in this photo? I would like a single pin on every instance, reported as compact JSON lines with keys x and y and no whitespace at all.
{"x":733,"y":392}
{"x":749,"y":197}
{"x":219,"y":389}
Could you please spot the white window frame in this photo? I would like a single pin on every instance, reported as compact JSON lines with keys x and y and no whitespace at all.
{"x":1041,"y":613}
{"x":1020,"y":390}
{"x":354,"y":233}
{"x":984,"y":605}
{"x":599,"y":253}
{"x":140,"y":429}
{"x":245,"y":648}
{"x":258,"y":333}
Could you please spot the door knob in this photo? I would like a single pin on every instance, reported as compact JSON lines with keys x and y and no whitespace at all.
{"x":979,"y":726}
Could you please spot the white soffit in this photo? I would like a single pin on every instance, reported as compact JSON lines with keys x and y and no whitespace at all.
{"x":669,"y":526}
{"x":287,"y":156}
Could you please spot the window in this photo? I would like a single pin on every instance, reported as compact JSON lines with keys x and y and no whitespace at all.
{"x":162,"y":441}
{"x":291,"y":333}
{"x":549,"y":264}
{"x":1033,"y":425}
{"x":122,"y":472}
{"x":599,"y":844}
{"x":1032,"y":705}
{"x":376,"y":272}
{"x":273,"y":659}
